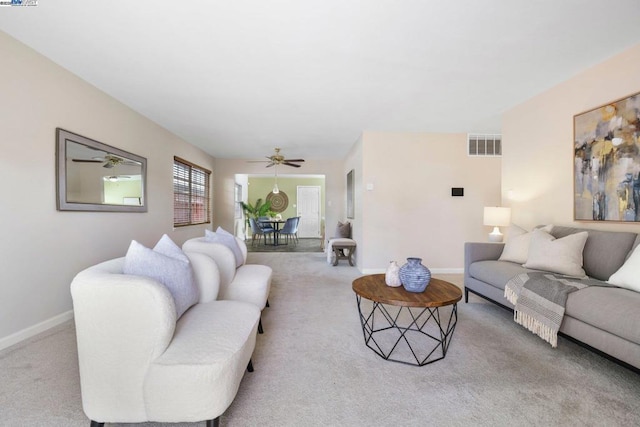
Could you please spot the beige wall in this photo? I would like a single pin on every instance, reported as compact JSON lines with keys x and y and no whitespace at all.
{"x":42,"y":248}
{"x":537,"y":166}
{"x":410,"y":210}
{"x":354,"y":161}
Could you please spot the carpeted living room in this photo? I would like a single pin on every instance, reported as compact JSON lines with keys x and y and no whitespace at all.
{"x":497,"y":143}
{"x":311,"y":367}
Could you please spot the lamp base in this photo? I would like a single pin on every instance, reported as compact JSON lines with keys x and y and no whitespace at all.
{"x":496,"y":236}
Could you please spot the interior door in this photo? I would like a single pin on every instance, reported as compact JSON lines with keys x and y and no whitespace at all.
{"x":308,"y":208}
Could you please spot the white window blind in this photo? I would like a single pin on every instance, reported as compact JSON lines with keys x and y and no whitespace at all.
{"x":191,"y":195}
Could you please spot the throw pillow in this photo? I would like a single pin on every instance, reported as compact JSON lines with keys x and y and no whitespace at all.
{"x":171,"y":271}
{"x":628,"y":276}
{"x":222,"y":236}
{"x":167,"y":247}
{"x":343,"y":231}
{"x":561,"y":256}
{"x":516,"y":248}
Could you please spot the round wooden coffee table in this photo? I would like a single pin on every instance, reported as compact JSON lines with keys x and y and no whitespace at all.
{"x":407,"y":327}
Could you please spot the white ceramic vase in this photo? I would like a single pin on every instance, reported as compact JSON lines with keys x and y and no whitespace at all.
{"x":392,"y":276}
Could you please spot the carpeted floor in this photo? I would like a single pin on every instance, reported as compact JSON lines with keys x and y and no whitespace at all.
{"x":313,"y":369}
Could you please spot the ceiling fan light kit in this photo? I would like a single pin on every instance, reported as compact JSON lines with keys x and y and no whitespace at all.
{"x":279,"y":159}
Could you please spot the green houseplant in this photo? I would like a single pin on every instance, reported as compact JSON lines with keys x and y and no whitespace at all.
{"x":257,"y":210}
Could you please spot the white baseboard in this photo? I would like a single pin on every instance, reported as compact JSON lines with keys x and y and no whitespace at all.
{"x":433,"y":270}
{"x":35,"y":329}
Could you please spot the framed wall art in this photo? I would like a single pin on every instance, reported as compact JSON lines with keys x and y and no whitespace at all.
{"x":350,"y":190}
{"x":607,"y":162}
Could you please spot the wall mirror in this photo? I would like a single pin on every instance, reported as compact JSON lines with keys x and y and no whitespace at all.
{"x":92,"y":176}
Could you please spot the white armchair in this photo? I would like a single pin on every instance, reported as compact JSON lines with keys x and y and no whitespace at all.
{"x":248,"y":282}
{"x":139,"y":363}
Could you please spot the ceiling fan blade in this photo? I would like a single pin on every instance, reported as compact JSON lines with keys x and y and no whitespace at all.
{"x":291,"y":164}
{"x":258,"y":161}
{"x":87,"y":161}
{"x":270,"y":164}
{"x":293,"y":160}
{"x":108,"y":165}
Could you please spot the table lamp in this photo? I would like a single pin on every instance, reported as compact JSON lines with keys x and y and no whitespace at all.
{"x":496,"y":217}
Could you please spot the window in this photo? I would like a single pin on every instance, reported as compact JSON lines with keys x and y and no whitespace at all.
{"x":191,"y":195}
{"x":484,"y":145}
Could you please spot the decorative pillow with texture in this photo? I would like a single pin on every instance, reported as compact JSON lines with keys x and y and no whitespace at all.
{"x":167,"y":247}
{"x":561,"y":256}
{"x":516,"y":248}
{"x":173,"y":272}
{"x":628,"y":276}
{"x":343,"y":230}
{"x":222,"y":236}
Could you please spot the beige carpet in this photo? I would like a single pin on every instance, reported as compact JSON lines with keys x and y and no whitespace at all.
{"x":313,"y":369}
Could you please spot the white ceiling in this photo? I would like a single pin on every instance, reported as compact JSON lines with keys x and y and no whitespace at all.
{"x":238,"y":78}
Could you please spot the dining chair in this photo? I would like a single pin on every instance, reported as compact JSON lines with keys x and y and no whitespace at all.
{"x":259,"y":231}
{"x":290,"y":229}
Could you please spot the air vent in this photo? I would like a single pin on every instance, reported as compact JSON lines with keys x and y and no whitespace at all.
{"x":484,"y":145}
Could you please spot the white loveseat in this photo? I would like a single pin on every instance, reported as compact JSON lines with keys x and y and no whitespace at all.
{"x":139,"y":363}
{"x":247,"y":282}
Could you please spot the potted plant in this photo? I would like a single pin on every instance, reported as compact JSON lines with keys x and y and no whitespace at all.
{"x":256,"y":211}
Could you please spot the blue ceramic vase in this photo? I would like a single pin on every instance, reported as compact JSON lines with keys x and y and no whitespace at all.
{"x":414,"y":276}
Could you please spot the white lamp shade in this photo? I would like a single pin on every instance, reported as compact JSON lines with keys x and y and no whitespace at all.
{"x":497,"y":216}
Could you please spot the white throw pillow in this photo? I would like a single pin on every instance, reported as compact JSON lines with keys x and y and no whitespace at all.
{"x":170,"y":270}
{"x":167,"y":247}
{"x":224,"y":237}
{"x":562,"y":256}
{"x":628,"y":276}
{"x":516,"y":248}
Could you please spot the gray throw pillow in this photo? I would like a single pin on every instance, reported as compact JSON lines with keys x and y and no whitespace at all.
{"x":343,"y":231}
{"x":171,"y":270}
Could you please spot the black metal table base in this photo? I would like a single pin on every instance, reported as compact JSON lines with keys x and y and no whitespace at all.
{"x":410,"y":335}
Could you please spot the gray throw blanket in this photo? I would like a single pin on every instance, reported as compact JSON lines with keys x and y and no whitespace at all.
{"x":540,"y":300}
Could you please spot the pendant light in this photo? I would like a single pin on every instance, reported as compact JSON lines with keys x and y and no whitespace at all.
{"x":276,"y":190}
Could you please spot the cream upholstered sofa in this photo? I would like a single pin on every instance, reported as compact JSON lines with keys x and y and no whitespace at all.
{"x":139,"y":362}
{"x":239,"y":281}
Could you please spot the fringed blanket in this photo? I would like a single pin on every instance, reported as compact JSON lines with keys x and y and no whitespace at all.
{"x":540,"y":300}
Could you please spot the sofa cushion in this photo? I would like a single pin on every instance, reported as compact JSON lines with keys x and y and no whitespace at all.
{"x":229,"y":240}
{"x":628,"y":276}
{"x":614,"y":310}
{"x":561,"y":256}
{"x":200,"y":372}
{"x":252,"y":283}
{"x":172,"y":271}
{"x":496,"y":273}
{"x":516,"y":248}
{"x":604,"y":252}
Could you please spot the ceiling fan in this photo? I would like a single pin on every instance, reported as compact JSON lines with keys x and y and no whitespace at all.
{"x":279,"y":159}
{"x":109,"y":161}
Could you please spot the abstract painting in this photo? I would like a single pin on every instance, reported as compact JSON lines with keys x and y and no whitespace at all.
{"x":607,"y":162}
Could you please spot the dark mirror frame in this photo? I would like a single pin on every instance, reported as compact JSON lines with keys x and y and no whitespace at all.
{"x":62,"y":136}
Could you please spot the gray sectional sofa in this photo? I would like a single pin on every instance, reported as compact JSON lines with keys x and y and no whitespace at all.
{"x":605,"y":319}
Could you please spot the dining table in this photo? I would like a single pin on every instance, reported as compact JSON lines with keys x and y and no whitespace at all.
{"x":275,"y":224}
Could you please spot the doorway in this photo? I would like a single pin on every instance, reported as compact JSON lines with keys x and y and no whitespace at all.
{"x":311,"y":207}
{"x":308,"y":209}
